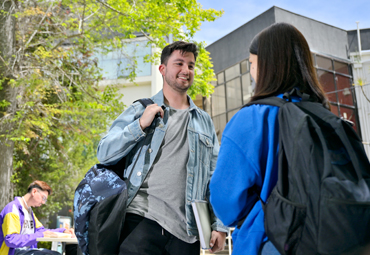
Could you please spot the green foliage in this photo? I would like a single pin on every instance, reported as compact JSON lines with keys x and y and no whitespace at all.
{"x":61,"y":109}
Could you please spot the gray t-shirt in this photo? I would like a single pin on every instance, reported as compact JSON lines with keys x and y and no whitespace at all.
{"x":161,"y":197}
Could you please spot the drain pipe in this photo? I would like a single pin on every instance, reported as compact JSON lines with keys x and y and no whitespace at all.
{"x":358,"y":39}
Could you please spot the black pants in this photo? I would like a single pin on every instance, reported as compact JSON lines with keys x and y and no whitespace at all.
{"x":36,"y":252}
{"x":142,"y":236}
{"x":73,"y":249}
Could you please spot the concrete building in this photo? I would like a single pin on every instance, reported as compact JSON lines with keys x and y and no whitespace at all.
{"x":334,"y":60}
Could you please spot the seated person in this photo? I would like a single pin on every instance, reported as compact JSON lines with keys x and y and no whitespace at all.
{"x":19,"y":225}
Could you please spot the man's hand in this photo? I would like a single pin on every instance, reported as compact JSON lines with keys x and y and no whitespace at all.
{"x":70,"y":231}
{"x":48,"y":233}
{"x":217,"y":241}
{"x":149,"y":114}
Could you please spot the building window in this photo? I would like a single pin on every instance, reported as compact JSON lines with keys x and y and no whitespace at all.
{"x":244,"y":66}
{"x":119,"y":63}
{"x":218,"y":100}
{"x":247,"y":87}
{"x":326,"y":79}
{"x":220,"y":123}
{"x":233,"y":90}
{"x":232,"y":72}
{"x":234,"y":93}
{"x":344,"y":90}
{"x":341,"y":67}
{"x":230,"y":114}
{"x":335,"y":77}
{"x":220,"y":78}
{"x":324,"y":63}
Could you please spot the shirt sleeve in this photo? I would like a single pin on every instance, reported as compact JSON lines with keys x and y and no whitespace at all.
{"x":11,"y":230}
{"x":230,"y":195}
{"x":40,"y":228}
{"x":123,"y":135}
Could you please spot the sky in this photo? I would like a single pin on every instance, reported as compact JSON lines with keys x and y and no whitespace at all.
{"x":339,"y":13}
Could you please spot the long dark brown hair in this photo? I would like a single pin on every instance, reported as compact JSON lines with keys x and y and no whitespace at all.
{"x":285,"y":62}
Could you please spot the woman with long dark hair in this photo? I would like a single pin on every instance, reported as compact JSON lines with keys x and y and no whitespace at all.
{"x":248,"y":160}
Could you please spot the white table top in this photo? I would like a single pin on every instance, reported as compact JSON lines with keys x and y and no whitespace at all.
{"x":57,"y":239}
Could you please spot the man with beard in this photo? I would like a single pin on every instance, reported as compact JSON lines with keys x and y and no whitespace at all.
{"x":177,"y":160}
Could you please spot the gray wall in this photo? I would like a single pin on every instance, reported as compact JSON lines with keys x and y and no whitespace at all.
{"x":234,"y":47}
{"x":321,"y":37}
{"x":353,"y":42}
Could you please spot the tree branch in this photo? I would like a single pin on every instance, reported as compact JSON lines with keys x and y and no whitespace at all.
{"x":6,"y":64}
{"x":113,"y":9}
{"x":74,"y":35}
{"x":42,"y":20}
{"x":363,"y":92}
{"x":81,"y":27}
{"x":72,"y":82}
{"x":147,"y":36}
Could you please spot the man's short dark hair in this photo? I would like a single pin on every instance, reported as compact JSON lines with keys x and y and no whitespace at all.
{"x":181,"y":46}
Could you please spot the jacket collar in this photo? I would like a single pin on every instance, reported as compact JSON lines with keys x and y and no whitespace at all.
{"x":159,"y":99}
{"x":16,"y":201}
{"x":19,"y":205}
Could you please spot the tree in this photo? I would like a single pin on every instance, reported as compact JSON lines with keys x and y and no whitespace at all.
{"x":59,"y":112}
{"x":7,"y":100}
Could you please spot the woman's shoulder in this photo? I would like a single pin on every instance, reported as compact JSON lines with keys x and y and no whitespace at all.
{"x":257,"y":112}
{"x":251,"y":122}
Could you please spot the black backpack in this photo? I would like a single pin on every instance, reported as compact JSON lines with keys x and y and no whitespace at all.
{"x":321,"y":202}
{"x":99,"y":206}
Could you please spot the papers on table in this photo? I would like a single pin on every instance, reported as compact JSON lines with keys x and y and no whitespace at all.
{"x":57,"y":235}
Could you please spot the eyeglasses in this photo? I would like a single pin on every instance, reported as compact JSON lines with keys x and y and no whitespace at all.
{"x":44,"y":199}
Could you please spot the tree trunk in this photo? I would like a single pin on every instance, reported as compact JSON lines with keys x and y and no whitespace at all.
{"x":8,"y":93}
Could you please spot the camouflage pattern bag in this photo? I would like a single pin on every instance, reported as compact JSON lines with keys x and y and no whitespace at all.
{"x":99,"y":206}
{"x":99,"y":210}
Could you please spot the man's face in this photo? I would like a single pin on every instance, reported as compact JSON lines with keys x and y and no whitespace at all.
{"x":39,"y":197}
{"x":178,"y":73}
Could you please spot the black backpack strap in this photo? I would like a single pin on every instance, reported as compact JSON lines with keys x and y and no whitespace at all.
{"x":145,"y":101}
{"x":296,"y":92}
{"x":274,"y":101}
{"x":277,"y":101}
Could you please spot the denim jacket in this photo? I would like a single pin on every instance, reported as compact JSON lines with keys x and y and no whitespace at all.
{"x":125,"y":138}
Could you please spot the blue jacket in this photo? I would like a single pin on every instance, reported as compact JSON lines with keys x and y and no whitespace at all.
{"x":125,"y":138}
{"x":11,"y":222}
{"x":248,"y":158}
